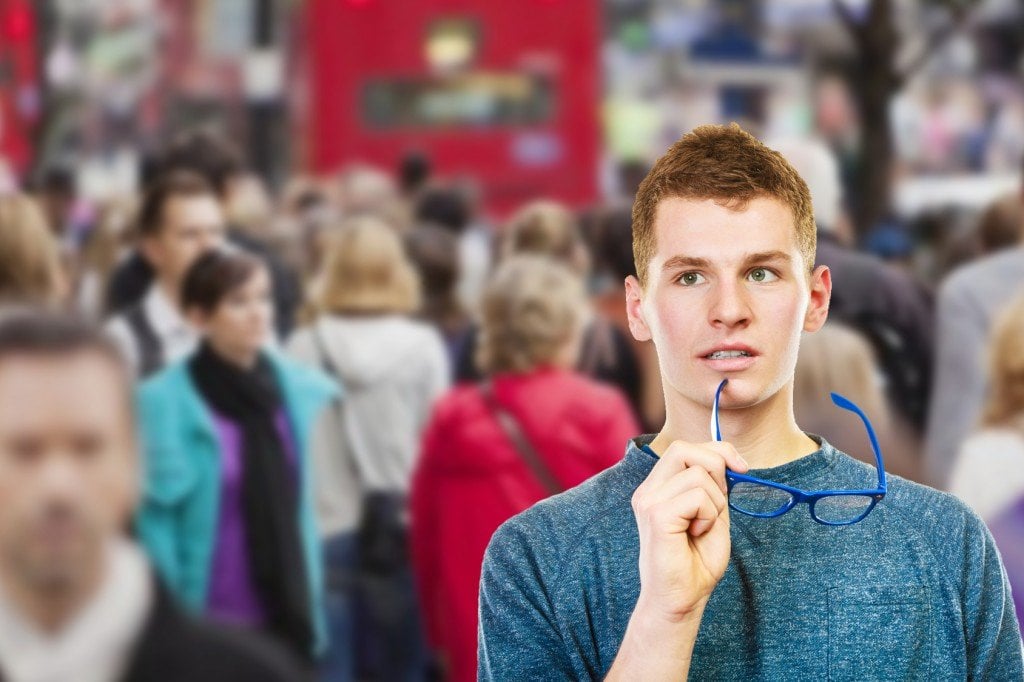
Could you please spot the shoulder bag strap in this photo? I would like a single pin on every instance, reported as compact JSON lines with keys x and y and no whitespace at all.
{"x":515,"y":433}
{"x":332,"y":369}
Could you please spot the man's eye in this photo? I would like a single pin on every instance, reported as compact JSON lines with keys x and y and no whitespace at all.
{"x":761,"y":275}
{"x":690,"y":278}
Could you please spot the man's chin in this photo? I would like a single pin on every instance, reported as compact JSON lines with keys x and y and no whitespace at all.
{"x":57,"y":568}
{"x":741,"y":392}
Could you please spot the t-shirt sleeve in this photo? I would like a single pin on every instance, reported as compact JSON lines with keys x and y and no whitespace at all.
{"x":994,"y":648}
{"x":519,"y":637}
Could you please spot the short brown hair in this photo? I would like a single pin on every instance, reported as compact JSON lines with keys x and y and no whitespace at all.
{"x":173,"y":184}
{"x":728,"y":165}
{"x":53,"y":334}
{"x":214,"y":275}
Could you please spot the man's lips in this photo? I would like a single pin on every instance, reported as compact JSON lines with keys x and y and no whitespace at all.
{"x":729,"y":364}
{"x":729,"y":347}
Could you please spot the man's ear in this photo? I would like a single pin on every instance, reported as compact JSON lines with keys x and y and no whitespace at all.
{"x":821,"y":294}
{"x":635,"y":311}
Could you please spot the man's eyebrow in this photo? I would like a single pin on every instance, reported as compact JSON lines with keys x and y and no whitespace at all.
{"x":682,"y":261}
{"x":768,"y":256}
{"x":685,"y":262}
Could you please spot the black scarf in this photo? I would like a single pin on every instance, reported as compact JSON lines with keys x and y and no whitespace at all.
{"x":270,"y":499}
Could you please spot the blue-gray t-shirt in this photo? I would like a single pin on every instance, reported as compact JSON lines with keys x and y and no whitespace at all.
{"x":916,"y":591}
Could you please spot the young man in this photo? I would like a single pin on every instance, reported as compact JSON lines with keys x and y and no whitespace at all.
{"x":77,"y":600}
{"x":180,"y":219}
{"x":644,"y":573}
{"x":213,"y":157}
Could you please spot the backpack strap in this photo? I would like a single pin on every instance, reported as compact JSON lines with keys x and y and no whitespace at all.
{"x":147,"y":342}
{"x":510,"y":425}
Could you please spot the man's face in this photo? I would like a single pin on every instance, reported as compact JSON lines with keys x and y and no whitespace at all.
{"x":190,"y":225}
{"x":728,"y":295}
{"x":67,"y":466}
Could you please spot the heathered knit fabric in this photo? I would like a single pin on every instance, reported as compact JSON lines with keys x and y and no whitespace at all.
{"x":916,"y":591}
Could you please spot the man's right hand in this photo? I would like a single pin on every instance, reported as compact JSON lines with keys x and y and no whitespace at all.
{"x":682,"y":516}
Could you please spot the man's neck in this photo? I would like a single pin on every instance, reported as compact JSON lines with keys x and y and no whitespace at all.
{"x":49,"y":610}
{"x":766,"y":434}
{"x":171,"y":291}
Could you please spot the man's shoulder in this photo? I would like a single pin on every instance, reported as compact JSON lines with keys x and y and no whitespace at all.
{"x":935,"y":519}
{"x":179,"y":646}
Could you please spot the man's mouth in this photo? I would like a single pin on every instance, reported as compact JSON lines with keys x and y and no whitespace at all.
{"x":723,"y":354}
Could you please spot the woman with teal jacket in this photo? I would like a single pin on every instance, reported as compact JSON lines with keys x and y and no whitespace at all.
{"x":227,"y":514}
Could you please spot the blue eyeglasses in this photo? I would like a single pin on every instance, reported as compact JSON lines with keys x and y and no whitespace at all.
{"x":766,"y":499}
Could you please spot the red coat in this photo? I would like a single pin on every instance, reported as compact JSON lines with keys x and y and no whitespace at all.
{"x":470,"y":479}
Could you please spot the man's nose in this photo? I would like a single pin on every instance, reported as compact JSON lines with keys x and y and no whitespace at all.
{"x":212,"y":239}
{"x":730,"y":306}
{"x":60,"y":477}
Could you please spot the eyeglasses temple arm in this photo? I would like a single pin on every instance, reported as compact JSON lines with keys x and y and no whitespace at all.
{"x":848,"y":404}
{"x":716,"y":430}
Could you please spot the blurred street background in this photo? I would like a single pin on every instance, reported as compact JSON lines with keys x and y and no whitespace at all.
{"x":444,"y":136}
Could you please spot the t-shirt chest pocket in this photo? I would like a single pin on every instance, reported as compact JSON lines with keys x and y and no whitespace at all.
{"x":879,"y":632}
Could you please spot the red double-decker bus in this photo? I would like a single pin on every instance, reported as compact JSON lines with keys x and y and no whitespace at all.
{"x":504,"y":91}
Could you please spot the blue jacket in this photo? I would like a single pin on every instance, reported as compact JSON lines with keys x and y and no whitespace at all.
{"x":178,"y":516}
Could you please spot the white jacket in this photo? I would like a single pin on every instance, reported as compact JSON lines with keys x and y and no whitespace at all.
{"x":391,"y":370}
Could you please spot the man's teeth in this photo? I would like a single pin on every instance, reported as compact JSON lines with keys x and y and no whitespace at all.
{"x":720,"y":354}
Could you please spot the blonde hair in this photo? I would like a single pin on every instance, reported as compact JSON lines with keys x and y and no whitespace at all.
{"x":546,"y":228}
{"x":841,"y":359}
{"x":109,"y":238}
{"x":1005,"y":403}
{"x":30,"y":265}
{"x":531,"y":308}
{"x":367,"y":271}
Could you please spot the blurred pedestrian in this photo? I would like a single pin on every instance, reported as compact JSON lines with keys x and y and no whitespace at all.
{"x":391,"y":369}
{"x":455,"y":207}
{"x":989,"y":470}
{"x":999,"y":226}
{"x":550,"y":229}
{"x":105,"y":246}
{"x":228,"y":515}
{"x":212,"y":156}
{"x":57,"y":194}
{"x":79,"y":600}
{"x":434,"y":251}
{"x":414,"y":172}
{"x":180,"y":218}
{"x":839,"y":359}
{"x":30,"y":265}
{"x":969,"y":299}
{"x":612,"y":239}
{"x":532,"y":428}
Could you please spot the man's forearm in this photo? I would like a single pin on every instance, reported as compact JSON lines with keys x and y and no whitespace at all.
{"x":656,"y":648}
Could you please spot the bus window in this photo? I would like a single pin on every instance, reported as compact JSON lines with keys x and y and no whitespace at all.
{"x":480,"y":99}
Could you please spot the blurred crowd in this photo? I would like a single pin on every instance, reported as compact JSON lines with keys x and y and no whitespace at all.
{"x":340,"y":390}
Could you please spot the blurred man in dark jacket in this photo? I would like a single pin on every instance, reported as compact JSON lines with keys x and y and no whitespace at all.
{"x":212,"y":157}
{"x":80,"y":601}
